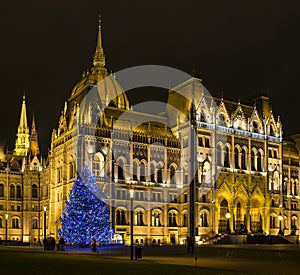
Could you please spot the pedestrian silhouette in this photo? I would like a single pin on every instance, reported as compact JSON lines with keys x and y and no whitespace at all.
{"x":189,"y":243}
{"x":94,"y":246}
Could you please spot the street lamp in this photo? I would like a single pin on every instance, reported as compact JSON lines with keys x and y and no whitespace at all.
{"x":6,"y":228}
{"x":280,"y":218}
{"x":227,"y":216}
{"x":131,"y":193}
{"x":45,"y":222}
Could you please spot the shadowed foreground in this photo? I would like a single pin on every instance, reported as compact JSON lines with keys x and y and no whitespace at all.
{"x":250,"y":259}
{"x":28,"y":261}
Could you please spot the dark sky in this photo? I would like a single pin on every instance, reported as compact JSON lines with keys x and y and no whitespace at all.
{"x":241,"y":47}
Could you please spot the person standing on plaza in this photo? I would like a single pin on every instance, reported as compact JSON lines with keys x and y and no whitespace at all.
{"x":94,"y":246}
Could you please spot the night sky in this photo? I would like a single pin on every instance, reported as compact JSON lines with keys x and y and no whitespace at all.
{"x":241,"y":47}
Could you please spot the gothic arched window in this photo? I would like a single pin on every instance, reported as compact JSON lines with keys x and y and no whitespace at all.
{"x":219,"y":155}
{"x":152,"y":171}
{"x":34,"y":191}
{"x":12,"y":191}
{"x":155,"y":218}
{"x":159,"y":174}
{"x":15,"y":223}
{"x":172,"y":174}
{"x":135,"y":170}
{"x":98,"y":165}
{"x":172,"y":219}
{"x":253,"y":167}
{"x":120,"y":217}
{"x":259,"y":161}
{"x":142,"y":171}
{"x":19,"y":195}
{"x":1,"y":190}
{"x":244,"y":159}
{"x":185,"y":220}
{"x":226,"y":156}
{"x":138,"y":218}
{"x":120,"y":168}
{"x":203,"y":219}
{"x":236,"y":158}
{"x":34,"y":224}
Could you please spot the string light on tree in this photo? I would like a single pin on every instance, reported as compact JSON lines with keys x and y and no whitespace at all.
{"x":86,"y":216}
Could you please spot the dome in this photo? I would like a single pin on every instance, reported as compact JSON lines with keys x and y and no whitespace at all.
{"x":109,"y":90}
{"x":96,"y":90}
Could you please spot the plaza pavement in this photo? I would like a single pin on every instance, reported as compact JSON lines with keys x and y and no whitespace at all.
{"x":253,"y":259}
{"x":268,"y":259}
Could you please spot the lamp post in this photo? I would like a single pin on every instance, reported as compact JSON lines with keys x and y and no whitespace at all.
{"x":45,"y":222}
{"x":6,"y":228}
{"x":227,"y":216}
{"x":280,"y":218}
{"x":131,"y":193}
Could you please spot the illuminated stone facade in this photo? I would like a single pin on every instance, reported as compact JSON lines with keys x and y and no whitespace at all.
{"x":237,"y":143}
{"x":24,"y":186}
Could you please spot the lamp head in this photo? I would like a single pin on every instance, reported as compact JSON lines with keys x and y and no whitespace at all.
{"x":131,"y":193}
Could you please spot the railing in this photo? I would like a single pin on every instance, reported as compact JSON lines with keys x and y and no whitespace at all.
{"x":242,"y":133}
{"x":225,"y":129}
{"x":274,"y":139}
{"x":258,"y":136}
{"x":205,"y":125}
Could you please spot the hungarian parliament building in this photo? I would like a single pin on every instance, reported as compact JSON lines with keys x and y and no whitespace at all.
{"x":214,"y":167}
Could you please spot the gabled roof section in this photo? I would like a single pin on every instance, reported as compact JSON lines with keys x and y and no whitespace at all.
{"x":222,"y":115}
{"x":239,"y":119}
{"x":256,"y":124}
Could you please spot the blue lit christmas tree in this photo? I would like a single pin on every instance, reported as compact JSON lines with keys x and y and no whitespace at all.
{"x":86,"y":216}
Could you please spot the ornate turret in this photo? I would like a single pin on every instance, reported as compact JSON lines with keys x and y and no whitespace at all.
{"x":34,"y":144}
{"x":22,"y":141}
{"x":193,"y":110}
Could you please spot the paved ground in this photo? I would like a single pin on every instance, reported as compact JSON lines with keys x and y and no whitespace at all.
{"x":262,"y":259}
{"x":276,"y":259}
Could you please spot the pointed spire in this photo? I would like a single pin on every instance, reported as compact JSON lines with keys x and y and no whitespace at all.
{"x":34,"y":144}
{"x":23,"y":117}
{"x":22,"y":141}
{"x":99,"y":57}
{"x":33,"y":129}
{"x":99,"y":41}
{"x":193,"y":109}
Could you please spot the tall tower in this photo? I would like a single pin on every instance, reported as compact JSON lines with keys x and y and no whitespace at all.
{"x":22,"y":140}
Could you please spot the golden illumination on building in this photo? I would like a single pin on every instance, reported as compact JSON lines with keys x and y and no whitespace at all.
{"x":22,"y":140}
{"x":258,"y":172}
